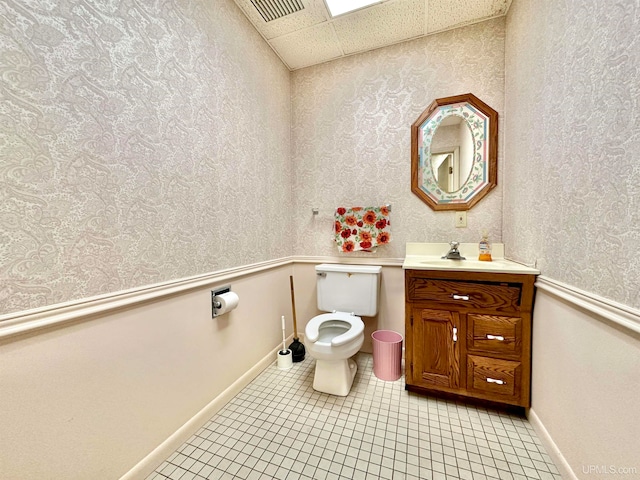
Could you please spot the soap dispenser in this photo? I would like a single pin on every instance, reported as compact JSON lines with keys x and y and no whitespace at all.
{"x":484,"y":248}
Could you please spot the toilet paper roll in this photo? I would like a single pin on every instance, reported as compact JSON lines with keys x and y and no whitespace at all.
{"x":228,"y":301}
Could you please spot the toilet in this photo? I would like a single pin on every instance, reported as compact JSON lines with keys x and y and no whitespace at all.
{"x":333,"y":338}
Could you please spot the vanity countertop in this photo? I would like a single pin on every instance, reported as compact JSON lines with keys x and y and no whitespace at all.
{"x":428,"y":256}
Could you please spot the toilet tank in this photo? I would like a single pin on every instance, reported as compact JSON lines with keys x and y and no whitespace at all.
{"x":348,"y":288}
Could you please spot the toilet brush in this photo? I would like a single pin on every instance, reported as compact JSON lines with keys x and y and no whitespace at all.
{"x":285,"y":361}
{"x":297,"y":348}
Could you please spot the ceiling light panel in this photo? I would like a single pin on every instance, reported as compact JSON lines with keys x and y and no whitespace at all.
{"x":340,"y":7}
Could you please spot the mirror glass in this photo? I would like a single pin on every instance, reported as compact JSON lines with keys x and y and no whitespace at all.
{"x":454,"y":152}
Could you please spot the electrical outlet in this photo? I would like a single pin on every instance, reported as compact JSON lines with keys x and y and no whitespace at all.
{"x":461,"y":219}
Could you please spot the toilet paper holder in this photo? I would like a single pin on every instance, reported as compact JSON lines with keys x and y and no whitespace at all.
{"x":215,"y":304}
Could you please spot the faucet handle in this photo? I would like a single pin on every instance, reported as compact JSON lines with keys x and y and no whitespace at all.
{"x":454,"y":245}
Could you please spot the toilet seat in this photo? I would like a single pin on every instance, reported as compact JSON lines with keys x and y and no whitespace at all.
{"x":312,"y":330}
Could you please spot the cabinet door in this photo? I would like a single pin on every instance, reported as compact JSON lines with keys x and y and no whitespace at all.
{"x":436,"y":352}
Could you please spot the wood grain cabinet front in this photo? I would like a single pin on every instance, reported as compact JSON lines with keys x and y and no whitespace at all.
{"x":469,"y":334}
{"x":494,"y":334}
{"x":439,"y":365}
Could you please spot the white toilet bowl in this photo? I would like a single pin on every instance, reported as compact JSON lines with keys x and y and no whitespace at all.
{"x":332,"y":339}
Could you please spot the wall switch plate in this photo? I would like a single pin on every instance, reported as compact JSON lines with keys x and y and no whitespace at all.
{"x":461,"y":219}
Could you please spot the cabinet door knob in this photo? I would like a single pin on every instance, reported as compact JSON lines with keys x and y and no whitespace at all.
{"x":460,"y":297}
{"x":455,"y":334}
{"x":500,"y":338}
{"x":495,"y":380}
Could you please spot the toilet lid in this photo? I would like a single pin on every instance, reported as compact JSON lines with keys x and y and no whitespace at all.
{"x":312,"y":330}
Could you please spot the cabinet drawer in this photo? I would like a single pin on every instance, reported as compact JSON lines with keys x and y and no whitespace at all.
{"x":493,"y":378}
{"x":494,"y":334}
{"x":501,"y":297}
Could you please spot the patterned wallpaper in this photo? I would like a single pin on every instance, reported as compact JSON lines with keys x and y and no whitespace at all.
{"x":351,"y":135}
{"x":572,"y":179}
{"x":139,"y":142}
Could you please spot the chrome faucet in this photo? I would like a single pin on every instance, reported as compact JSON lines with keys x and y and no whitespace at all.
{"x":454,"y":253}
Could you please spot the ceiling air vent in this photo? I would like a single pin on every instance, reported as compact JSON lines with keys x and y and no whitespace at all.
{"x":274,"y":9}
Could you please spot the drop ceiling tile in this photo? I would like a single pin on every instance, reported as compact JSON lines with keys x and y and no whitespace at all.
{"x":306,"y":47}
{"x":311,"y":36}
{"x":313,"y":13}
{"x":444,"y":14}
{"x":380,"y":25}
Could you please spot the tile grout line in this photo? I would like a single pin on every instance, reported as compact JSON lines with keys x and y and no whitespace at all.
{"x":279,"y":427}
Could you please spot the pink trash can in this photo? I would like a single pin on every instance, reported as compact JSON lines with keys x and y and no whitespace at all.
{"x":387,"y":355}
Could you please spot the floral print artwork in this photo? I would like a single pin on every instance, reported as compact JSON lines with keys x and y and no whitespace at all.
{"x":361,"y":228}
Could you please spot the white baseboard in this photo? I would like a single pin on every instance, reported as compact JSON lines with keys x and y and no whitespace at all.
{"x":552,"y":449}
{"x":148,"y":464}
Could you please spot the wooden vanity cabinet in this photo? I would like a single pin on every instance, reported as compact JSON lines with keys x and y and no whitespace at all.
{"x":469,"y":334}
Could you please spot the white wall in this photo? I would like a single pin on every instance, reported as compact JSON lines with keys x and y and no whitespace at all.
{"x":92,"y":399}
{"x":351,"y":137}
{"x":142,"y":142}
{"x":571,"y":170}
{"x":585,"y":388}
{"x":89,"y":400}
{"x":571,"y":204}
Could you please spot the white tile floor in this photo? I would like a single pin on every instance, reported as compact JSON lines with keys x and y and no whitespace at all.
{"x":279,"y":427}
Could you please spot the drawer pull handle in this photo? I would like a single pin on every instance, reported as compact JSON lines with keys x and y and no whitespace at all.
{"x":495,"y":380}
{"x":460,"y":297}
{"x":455,"y":334}
{"x":500,"y":338}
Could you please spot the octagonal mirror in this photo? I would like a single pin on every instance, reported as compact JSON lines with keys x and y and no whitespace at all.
{"x":454,"y":152}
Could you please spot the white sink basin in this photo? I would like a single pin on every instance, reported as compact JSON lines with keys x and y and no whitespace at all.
{"x":470,"y":265}
{"x":427,"y":256}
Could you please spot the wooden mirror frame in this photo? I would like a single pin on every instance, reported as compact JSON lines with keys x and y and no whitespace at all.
{"x":483,"y":122}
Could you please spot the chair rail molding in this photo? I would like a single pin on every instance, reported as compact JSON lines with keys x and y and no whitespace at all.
{"x":29,"y":321}
{"x":603,"y":308}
